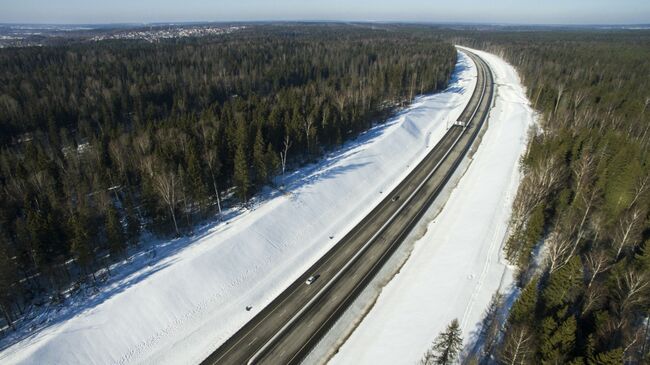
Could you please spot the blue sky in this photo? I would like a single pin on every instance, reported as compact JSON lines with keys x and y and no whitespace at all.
{"x":493,"y":11}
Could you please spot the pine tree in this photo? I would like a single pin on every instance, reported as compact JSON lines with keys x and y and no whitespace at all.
{"x":447,"y":345}
{"x":214,"y":166}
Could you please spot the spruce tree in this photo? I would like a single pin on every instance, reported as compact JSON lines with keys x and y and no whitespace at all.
{"x":272,"y":160}
{"x":613,"y":357}
{"x":260,"y":160}
{"x":564,"y":284}
{"x":531,"y":235}
{"x":447,"y":345}
{"x":491,"y":324}
{"x":643,"y":257}
{"x":241,"y":177}
{"x":523,"y":310}
{"x":557,"y":340}
{"x":195,"y":182}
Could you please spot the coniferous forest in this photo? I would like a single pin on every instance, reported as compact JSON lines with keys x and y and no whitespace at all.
{"x":580,"y":228}
{"x":102,"y":141}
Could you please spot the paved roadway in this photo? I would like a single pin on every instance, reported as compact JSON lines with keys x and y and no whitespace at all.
{"x":285,"y":331}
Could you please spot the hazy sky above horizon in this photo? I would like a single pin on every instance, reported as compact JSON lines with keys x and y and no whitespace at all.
{"x":495,"y":11}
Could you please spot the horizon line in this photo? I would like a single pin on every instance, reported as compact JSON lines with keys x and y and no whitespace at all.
{"x":271,"y":21}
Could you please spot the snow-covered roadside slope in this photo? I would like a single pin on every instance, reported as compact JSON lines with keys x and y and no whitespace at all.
{"x":456,"y":266}
{"x":187,"y":304}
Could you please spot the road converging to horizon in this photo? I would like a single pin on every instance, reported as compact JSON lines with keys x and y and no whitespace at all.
{"x":288,"y":328}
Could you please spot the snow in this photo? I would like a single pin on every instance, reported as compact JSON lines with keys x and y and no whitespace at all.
{"x":180,"y":305}
{"x":455,"y":268}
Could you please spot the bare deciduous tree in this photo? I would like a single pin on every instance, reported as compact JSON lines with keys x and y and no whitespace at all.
{"x":633,"y":340}
{"x":283,"y":153}
{"x":597,"y":261}
{"x":583,"y":171}
{"x":594,"y":296}
{"x":308,"y":129}
{"x":641,"y":187}
{"x":627,"y":229}
{"x":631,"y":290}
{"x":588,"y":201}
{"x":578,"y":97}
{"x":515,"y":350}
{"x":119,"y":154}
{"x":143,"y":144}
{"x":211,"y":157}
{"x":645,"y":130}
{"x":560,"y":91}
{"x":165,"y":183}
{"x":212,"y":160}
{"x":559,"y":249}
{"x":539,"y":182}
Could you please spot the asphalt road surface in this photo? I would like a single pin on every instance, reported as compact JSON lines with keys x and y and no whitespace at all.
{"x":286,"y":330}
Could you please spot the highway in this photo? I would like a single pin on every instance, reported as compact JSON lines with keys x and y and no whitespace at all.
{"x":287,"y":329}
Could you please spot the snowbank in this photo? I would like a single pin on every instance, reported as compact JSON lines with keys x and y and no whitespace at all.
{"x":189,"y":302}
{"x":456,"y":266}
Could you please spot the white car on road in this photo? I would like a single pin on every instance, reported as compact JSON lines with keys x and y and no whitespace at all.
{"x":311,"y":279}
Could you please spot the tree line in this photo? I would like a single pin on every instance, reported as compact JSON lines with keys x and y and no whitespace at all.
{"x":583,"y":204}
{"x":102,"y":141}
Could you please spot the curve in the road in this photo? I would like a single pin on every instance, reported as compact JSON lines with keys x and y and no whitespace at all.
{"x":286,"y":330}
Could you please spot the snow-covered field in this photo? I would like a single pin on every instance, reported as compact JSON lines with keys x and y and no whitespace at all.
{"x":179,"y":307}
{"x":456,"y":266}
